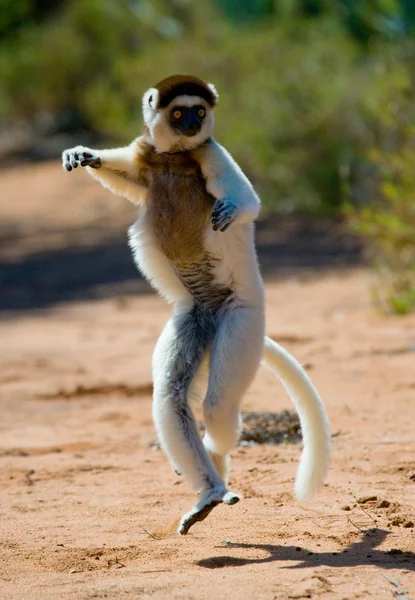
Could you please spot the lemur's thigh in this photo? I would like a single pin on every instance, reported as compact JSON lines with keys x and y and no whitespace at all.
{"x":177,"y":357}
{"x":236,"y":352}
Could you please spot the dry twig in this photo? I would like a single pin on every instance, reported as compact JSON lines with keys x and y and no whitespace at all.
{"x":398,"y":593}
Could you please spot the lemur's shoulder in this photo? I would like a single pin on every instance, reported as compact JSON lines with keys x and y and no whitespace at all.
{"x":210,"y":154}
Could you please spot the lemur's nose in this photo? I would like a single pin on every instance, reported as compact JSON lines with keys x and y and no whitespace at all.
{"x":191,"y":124}
{"x":192,"y":129}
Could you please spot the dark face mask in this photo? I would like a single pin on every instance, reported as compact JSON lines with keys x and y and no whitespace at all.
{"x":187,"y":120}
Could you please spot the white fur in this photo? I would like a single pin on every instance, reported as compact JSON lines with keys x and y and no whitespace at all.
{"x":154,"y":265}
{"x":238,"y":343}
{"x":315,"y":425}
{"x":175,"y":442}
{"x":188,"y":101}
{"x":235,"y":356}
{"x":238,"y":264}
{"x":113,"y":163}
{"x":149,"y":106}
{"x":224,"y":178}
{"x":214,"y":90}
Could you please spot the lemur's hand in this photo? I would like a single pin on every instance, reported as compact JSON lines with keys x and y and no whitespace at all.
{"x":80,"y":156}
{"x":224,"y":214}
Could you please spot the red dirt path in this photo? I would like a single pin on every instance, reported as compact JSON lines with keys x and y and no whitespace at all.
{"x":80,"y":484}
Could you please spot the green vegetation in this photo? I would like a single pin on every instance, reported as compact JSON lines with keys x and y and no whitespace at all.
{"x":388,"y":225}
{"x":317,"y":96}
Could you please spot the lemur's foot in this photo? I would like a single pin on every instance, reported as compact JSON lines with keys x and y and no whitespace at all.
{"x":224,"y":214}
{"x":205,"y":506}
{"x":80,"y":156}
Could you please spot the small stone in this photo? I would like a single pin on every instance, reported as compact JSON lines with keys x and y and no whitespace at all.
{"x":345,"y":507}
{"x":408,"y":524}
{"x":365,"y":499}
{"x":383,"y":504}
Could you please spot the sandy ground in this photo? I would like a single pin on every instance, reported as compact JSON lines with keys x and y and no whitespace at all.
{"x":86,"y":501}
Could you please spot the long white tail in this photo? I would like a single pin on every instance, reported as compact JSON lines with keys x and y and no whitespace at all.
{"x":314,"y":422}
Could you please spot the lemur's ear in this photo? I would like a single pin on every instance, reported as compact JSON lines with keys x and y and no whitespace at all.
{"x":214,"y":91}
{"x":150,"y":100}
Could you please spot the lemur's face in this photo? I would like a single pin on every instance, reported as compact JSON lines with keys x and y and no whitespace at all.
{"x":178,"y":113}
{"x":187,"y":120}
{"x":185,"y":123}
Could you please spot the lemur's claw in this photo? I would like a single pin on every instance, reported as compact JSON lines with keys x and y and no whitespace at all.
{"x":73,"y":158}
{"x":223,"y":215}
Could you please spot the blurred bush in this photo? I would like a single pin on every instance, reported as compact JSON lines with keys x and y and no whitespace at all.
{"x":305,"y":85}
{"x":388,"y":225}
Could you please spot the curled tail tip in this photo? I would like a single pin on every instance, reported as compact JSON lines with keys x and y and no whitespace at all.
{"x":307,"y":483}
{"x":306,"y":491}
{"x":311,"y":475}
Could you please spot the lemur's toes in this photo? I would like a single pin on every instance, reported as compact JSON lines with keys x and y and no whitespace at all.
{"x":71,"y":159}
{"x":194,"y":516}
{"x":204,"y":507}
{"x":231,"y":498}
{"x":223,"y":215}
{"x":88,"y":160}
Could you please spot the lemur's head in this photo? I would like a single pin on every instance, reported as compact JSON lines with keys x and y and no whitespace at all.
{"x":178,"y":113}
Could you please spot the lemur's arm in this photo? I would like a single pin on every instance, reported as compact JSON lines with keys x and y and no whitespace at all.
{"x":237,"y":201}
{"x":116,"y":169}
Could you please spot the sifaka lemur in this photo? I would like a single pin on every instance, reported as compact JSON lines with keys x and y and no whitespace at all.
{"x":194,"y":242}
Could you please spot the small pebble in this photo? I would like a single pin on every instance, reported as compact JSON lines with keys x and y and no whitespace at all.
{"x":383,"y":504}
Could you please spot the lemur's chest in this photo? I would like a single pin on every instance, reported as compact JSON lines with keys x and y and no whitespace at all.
{"x":179,"y":209}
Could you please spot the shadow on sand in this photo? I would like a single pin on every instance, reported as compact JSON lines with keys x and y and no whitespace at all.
{"x":44,"y":278}
{"x":363,"y":552}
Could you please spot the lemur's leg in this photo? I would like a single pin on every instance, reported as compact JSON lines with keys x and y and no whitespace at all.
{"x":176,"y":358}
{"x":235,"y":356}
{"x":198,"y":387}
{"x":116,"y":169}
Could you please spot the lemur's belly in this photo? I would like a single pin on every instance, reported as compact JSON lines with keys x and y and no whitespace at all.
{"x":179,"y":211}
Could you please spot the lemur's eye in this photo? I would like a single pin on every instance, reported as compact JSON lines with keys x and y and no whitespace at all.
{"x":177,"y":114}
{"x":201,"y":112}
